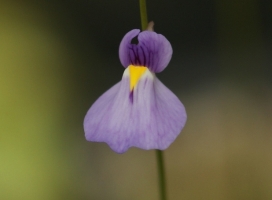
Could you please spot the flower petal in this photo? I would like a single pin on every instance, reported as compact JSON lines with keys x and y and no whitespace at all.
{"x":153,"y":50}
{"x":149,"y":118}
{"x":124,"y":46}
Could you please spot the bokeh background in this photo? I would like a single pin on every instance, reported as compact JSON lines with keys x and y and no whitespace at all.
{"x":57,"y":57}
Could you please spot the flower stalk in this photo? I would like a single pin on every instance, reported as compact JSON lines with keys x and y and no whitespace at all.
{"x":159,"y":153}
{"x":143,"y":14}
{"x":161,"y":174}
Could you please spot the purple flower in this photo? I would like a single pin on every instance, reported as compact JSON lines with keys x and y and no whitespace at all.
{"x":138,"y":111}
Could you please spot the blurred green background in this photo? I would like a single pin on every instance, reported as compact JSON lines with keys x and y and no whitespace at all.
{"x":57,"y":57}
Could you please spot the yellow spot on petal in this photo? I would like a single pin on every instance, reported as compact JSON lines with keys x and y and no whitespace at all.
{"x":135,"y":73}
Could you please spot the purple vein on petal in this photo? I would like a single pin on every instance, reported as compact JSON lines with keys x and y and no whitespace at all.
{"x":131,"y":96}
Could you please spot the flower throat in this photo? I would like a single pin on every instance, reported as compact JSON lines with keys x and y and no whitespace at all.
{"x":135,"y":73}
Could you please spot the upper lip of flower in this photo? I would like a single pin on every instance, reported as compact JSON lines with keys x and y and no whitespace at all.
{"x":153,"y":50}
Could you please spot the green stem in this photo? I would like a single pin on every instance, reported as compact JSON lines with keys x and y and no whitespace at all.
{"x":161,"y":174}
{"x":143,"y":13}
{"x":159,"y":153}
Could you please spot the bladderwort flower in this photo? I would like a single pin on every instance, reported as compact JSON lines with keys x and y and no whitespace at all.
{"x":139,"y":111}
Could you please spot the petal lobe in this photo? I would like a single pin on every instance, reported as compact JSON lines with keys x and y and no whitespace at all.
{"x":152,"y":121}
